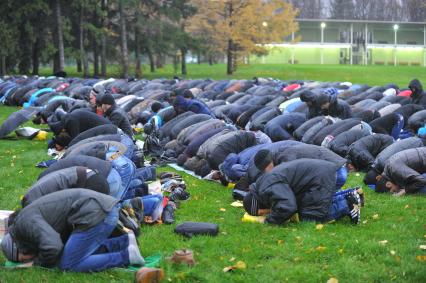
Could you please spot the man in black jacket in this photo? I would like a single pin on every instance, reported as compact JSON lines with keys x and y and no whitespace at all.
{"x":417,"y":95}
{"x":116,"y":115}
{"x":70,"y":229}
{"x":303,"y":186}
{"x":333,"y":106}
{"x":77,"y":122}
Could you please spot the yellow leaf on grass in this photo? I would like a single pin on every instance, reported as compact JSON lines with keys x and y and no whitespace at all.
{"x":332,"y":280}
{"x":384,"y":242}
{"x":375,"y":216}
{"x":228,"y":268}
{"x":407,"y":206}
{"x":421,"y":257}
{"x":392,"y":252}
{"x":320,"y":249}
{"x":340,"y":251}
{"x":280,"y":242}
{"x":240,"y":265}
{"x":422,"y":247}
{"x":222,"y":209}
{"x":319,"y":226}
{"x":232,"y":259}
{"x":364,"y":222}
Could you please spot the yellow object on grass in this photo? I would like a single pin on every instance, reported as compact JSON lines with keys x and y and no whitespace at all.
{"x":253,"y":219}
{"x":41,"y":136}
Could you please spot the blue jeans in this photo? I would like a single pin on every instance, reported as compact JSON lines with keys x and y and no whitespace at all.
{"x":396,"y":130}
{"x":126,"y":169}
{"x":339,"y":206}
{"x":81,"y":251}
{"x":128,"y":142}
{"x":145,"y":174}
{"x":115,"y":184}
{"x":341,"y":176}
{"x":152,"y":205}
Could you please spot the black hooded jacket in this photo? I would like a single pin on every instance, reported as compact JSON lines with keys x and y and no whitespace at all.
{"x":305,"y":186}
{"x":418,"y":96}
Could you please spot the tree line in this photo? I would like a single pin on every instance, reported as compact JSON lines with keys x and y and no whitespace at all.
{"x":92,"y":34}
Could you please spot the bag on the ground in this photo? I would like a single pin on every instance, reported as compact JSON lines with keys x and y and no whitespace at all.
{"x":189,"y":229}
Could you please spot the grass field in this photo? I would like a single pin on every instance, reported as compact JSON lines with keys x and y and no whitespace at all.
{"x":291,"y":253}
{"x":372,"y":75}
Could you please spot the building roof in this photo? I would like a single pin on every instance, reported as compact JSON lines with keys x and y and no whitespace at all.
{"x":359,"y":21}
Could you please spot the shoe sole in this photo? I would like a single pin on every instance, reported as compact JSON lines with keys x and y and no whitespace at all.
{"x":152,"y":276}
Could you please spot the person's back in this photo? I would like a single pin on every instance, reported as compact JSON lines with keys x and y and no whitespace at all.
{"x":101,"y":166}
{"x":119,"y":118}
{"x":305,"y":186}
{"x":43,"y":226}
{"x":341,"y":143}
{"x":81,"y":120}
{"x":312,"y":152}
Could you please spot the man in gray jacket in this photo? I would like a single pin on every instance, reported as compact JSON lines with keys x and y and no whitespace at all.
{"x":70,"y":229}
{"x":404,"y":173}
{"x":72,"y":177}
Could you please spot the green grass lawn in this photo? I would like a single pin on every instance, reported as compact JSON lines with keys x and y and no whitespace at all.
{"x":293,"y":253}
{"x":372,"y":75}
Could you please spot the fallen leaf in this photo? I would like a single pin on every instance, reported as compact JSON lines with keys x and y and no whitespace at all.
{"x":340,"y":251}
{"x":422,"y":247}
{"x":375,"y":216}
{"x":384,"y":242}
{"x":364,"y":222}
{"x":298,"y":238}
{"x":240,"y":265}
{"x":228,"y":268}
{"x":392,"y":252}
{"x":332,"y":280}
{"x":280,"y":242}
{"x":232,"y":259}
{"x":237,"y":204}
{"x":319,"y":226}
{"x":407,"y":206}
{"x":222,"y":209}
{"x":320,"y":249}
{"x":421,"y":257}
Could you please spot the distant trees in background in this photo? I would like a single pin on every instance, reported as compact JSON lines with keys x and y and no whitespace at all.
{"x":91,"y":34}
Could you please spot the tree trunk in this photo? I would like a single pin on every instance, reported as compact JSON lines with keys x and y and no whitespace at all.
{"x":151,"y":61}
{"x":198,"y":57}
{"x":210,"y":60}
{"x":25,"y":50}
{"x":3,"y":65}
{"x":83,"y":57}
{"x":123,"y":35}
{"x":36,"y":55}
{"x":230,"y":47}
{"x":60,"y":39}
{"x":229,"y":58}
{"x":95,"y":58}
{"x":183,"y":61}
{"x":138,"y":70}
{"x":159,"y":61}
{"x":103,"y":39}
{"x":78,"y":63}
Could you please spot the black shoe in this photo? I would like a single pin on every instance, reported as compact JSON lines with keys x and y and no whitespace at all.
{"x":354,"y":203}
{"x":179,"y":194}
{"x":137,"y":206}
{"x":238,"y":194}
{"x":168,"y":216}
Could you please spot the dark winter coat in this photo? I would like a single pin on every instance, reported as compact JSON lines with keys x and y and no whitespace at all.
{"x":119,"y":118}
{"x":383,"y":157}
{"x":405,"y":169}
{"x":44,"y":226}
{"x":282,"y":126}
{"x":418,"y":96}
{"x":96,"y":164}
{"x":341,"y":143}
{"x":305,"y":186}
{"x":108,"y":129}
{"x":72,"y":177}
{"x":363,"y":152}
{"x":182,"y":104}
{"x":302,"y":129}
{"x":312,"y":152}
{"x":81,"y":120}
